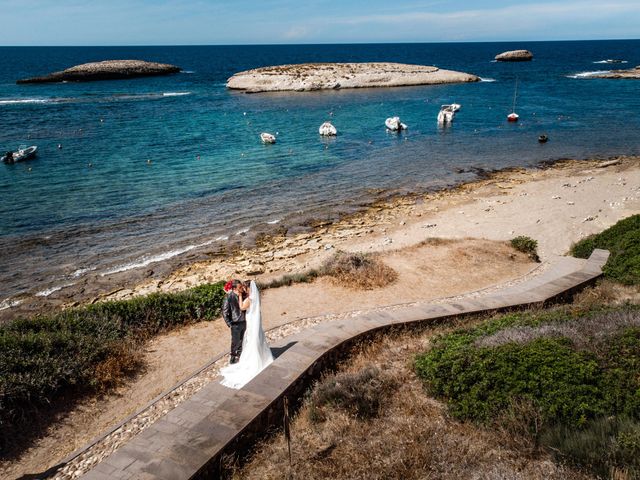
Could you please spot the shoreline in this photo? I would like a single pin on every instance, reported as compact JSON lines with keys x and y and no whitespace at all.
{"x":274,"y":253}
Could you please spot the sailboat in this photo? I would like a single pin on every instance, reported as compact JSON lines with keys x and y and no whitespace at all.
{"x":513,"y":116}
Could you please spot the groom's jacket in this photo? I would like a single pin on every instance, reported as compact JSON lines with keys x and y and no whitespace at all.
{"x":231,"y":310}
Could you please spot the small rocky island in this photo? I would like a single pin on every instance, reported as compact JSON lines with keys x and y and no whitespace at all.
{"x":515,"y":56}
{"x":631,"y":73}
{"x":325,"y":76}
{"x":107,"y":70}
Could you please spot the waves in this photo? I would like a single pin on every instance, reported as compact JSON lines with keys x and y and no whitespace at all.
{"x":487,"y":80}
{"x":118,"y":97}
{"x":148,"y":260}
{"x":18,"y":101}
{"x":588,"y":74}
{"x":611,"y":61}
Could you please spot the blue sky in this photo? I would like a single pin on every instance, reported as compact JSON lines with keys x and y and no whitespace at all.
{"x":204,"y":22}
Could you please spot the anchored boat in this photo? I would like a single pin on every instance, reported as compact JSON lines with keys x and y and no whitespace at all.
{"x":23,"y":153}
{"x":267,"y":138}
{"x":327,"y":130}
{"x":447,"y":113}
{"x":394,"y":124}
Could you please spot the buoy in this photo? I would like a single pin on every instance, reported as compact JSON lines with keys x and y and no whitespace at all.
{"x":90,"y":165}
{"x":149,"y":161}
{"x":59,"y":146}
{"x":543,"y":139}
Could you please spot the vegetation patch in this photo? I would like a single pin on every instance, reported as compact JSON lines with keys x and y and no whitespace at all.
{"x":76,"y":351}
{"x":526,"y":245}
{"x":623,"y":242}
{"x":361,"y":394}
{"x":572,"y":369}
{"x":359,"y":271}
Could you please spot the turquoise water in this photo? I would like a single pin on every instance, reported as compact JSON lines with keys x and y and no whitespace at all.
{"x":154,"y":171}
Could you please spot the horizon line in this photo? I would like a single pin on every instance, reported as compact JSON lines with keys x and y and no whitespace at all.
{"x":313,"y":43}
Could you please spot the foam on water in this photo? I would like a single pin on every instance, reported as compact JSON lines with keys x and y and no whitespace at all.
{"x":148,"y":260}
{"x":175,"y":94}
{"x":9,"y":303}
{"x":610,"y":62}
{"x":588,"y":74}
{"x":18,"y":101}
{"x":48,"y":291}
{"x":487,"y":80}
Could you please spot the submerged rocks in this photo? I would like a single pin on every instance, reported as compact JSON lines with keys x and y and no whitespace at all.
{"x":326,"y":76}
{"x":515,"y":56}
{"x":631,"y":73}
{"x":107,"y":70}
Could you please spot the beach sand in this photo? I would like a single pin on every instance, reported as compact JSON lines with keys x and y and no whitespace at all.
{"x":556,"y":206}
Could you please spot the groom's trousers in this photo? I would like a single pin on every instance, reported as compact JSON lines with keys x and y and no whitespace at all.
{"x":237,"y":333}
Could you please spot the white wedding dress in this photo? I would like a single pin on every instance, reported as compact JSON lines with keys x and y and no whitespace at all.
{"x":256,"y":354}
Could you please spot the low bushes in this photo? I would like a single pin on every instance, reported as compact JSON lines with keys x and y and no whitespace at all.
{"x":623,"y":242}
{"x":78,"y":350}
{"x":361,"y":394}
{"x":571,"y":373}
{"x":526,"y":245}
{"x":358,"y":270}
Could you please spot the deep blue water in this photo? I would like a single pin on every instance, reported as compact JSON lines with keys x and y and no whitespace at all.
{"x":98,"y":205}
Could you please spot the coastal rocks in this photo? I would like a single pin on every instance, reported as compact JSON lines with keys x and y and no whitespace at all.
{"x":631,"y":73}
{"x":515,"y":56}
{"x":327,"y":76}
{"x":107,"y":70}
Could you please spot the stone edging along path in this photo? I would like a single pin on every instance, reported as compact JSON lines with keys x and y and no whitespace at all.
{"x":192,"y":440}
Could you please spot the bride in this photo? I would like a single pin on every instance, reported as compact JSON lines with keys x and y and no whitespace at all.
{"x":256,"y":354}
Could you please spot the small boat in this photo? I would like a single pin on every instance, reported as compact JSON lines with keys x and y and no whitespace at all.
{"x":267,"y":138}
{"x":23,"y":153}
{"x":327,"y":130}
{"x":513,"y":116}
{"x":447,"y":113}
{"x":543,"y":139}
{"x":394,"y":124}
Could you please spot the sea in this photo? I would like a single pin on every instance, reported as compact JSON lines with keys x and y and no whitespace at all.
{"x":145,"y":174}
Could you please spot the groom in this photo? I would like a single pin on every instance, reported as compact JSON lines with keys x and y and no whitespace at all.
{"x":235,"y":319}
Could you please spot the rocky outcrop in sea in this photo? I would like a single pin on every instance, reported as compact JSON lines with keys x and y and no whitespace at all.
{"x":326,"y":76}
{"x":515,"y":56}
{"x":106,"y":70}
{"x":631,"y":73}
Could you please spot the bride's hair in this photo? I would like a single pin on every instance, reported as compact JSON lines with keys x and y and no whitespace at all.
{"x":247,"y":284}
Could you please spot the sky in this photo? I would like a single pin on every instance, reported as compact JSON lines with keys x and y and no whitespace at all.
{"x":215,"y":22}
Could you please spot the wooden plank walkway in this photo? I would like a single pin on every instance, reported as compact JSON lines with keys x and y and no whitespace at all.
{"x":191,"y":440}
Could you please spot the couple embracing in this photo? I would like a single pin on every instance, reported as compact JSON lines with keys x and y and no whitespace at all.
{"x":250,"y":352}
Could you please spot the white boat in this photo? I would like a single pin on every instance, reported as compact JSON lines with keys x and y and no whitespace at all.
{"x":267,"y":138}
{"x":327,"y":130}
{"x":447,"y":113}
{"x":23,"y":153}
{"x":394,"y":124}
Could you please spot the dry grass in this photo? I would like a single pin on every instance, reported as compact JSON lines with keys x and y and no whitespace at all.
{"x":582,"y":332}
{"x":607,"y":292}
{"x":359,"y":271}
{"x":411,"y":437}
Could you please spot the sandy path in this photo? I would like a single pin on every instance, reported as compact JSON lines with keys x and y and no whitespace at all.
{"x":509,"y":204}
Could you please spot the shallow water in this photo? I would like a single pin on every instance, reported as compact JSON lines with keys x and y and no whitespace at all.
{"x":153,"y":169}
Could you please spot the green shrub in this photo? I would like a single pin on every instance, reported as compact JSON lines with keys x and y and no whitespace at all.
{"x":623,"y":242}
{"x":47,"y":356}
{"x":526,"y":245}
{"x":604,"y":445}
{"x":570,"y":372}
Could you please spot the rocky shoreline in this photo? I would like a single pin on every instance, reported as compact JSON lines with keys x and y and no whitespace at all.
{"x":332,"y":76}
{"x":631,"y":73}
{"x":287,"y":252}
{"x":106,"y":70}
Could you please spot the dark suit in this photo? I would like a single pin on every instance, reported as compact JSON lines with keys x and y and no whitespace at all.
{"x":235,"y":318}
